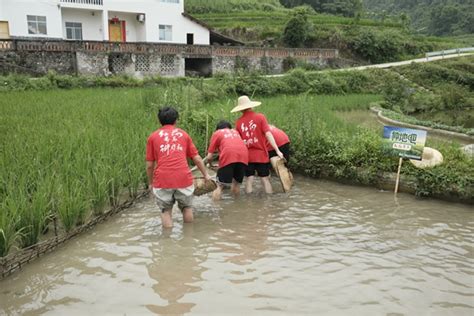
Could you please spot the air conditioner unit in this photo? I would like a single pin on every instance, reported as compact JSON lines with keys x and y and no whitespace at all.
{"x":141,"y":17}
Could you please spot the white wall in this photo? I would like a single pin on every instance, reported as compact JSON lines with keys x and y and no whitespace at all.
{"x":201,"y":34}
{"x":15,"y":12}
{"x":95,"y":28}
{"x":91,"y":24}
{"x":157,"y":13}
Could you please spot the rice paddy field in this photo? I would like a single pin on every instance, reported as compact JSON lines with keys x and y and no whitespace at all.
{"x":70,"y":154}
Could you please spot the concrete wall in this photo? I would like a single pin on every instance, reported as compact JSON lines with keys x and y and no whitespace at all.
{"x":96,"y":64}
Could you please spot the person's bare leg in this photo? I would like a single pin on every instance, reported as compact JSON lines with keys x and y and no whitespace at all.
{"x":267,"y":186}
{"x":166,"y":218}
{"x":217,"y":193}
{"x":188,"y":216}
{"x":235,"y":188}
{"x":249,"y":184}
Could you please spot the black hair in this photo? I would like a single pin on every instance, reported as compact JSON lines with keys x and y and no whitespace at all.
{"x":168,"y":115}
{"x":223,"y":124}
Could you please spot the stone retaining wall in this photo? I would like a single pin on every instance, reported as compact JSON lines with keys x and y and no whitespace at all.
{"x":37,"y":57}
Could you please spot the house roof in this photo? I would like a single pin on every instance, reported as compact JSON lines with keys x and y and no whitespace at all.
{"x":215,"y":37}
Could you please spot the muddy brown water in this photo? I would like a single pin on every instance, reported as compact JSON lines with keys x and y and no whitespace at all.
{"x":325,"y":248}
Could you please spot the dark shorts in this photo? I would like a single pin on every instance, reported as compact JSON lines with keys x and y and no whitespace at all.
{"x":234,"y":171}
{"x":285,"y":150}
{"x":262,"y":169}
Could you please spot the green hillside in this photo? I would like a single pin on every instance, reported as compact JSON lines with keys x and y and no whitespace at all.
{"x":435,"y":17}
{"x":363,"y":40}
{"x":206,"y":6}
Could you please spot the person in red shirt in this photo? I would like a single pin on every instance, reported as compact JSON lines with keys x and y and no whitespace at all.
{"x":233,"y":158}
{"x":283,"y":142}
{"x":255,"y":131}
{"x":169,"y":176}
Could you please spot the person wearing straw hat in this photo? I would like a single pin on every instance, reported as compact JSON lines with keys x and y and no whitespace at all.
{"x":233,"y":158}
{"x":254,"y":129}
{"x":169,"y":176}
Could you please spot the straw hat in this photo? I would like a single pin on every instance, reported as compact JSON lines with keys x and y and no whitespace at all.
{"x":430,"y":158}
{"x":244,"y":103}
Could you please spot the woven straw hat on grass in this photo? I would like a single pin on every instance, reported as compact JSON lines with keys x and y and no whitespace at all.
{"x":430,"y":158}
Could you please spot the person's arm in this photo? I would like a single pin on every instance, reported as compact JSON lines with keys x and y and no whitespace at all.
{"x":271,"y":141}
{"x":200,"y":164}
{"x":209,"y":157}
{"x":214,"y":144}
{"x":150,"y":167}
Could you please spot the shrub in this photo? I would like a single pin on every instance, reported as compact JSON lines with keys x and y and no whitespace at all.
{"x":289,"y":63}
{"x":296,"y":29}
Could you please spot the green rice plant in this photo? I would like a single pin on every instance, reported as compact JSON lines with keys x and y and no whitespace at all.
{"x":98,"y":184}
{"x":114,"y":186}
{"x":72,"y":206}
{"x":9,"y":223}
{"x":36,"y":213}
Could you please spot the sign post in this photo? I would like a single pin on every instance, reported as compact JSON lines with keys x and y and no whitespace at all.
{"x":403,"y":143}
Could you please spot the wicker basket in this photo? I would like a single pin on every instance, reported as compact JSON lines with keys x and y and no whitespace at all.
{"x":203,"y":186}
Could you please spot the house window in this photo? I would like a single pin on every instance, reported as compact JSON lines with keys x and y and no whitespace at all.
{"x":166,"y":32}
{"x":170,"y":1}
{"x":74,"y":31}
{"x":36,"y":24}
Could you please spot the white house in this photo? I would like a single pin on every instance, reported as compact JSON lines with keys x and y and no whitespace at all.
{"x":157,"y":21}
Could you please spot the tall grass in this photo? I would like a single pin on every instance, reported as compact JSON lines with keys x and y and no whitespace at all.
{"x":65,"y":154}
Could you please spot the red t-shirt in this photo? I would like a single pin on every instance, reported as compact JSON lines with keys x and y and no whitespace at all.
{"x":169,"y":146}
{"x":280,"y":137}
{"x":231,"y":147}
{"x":252,"y":128}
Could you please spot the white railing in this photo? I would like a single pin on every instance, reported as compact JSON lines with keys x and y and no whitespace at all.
{"x":88,"y":2}
{"x":450,"y":52}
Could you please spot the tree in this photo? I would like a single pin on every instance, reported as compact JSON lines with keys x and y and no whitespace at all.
{"x":297,"y":29}
{"x":404,"y":19}
{"x":444,"y":19}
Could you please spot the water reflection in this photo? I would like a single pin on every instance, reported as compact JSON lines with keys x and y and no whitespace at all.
{"x":175,"y":268}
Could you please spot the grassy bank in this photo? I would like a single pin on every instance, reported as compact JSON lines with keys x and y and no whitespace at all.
{"x":69,"y":153}
{"x":364,"y":40}
{"x":438,"y":94}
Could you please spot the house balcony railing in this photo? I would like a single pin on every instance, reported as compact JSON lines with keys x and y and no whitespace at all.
{"x":83,"y":2}
{"x":201,"y":51}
